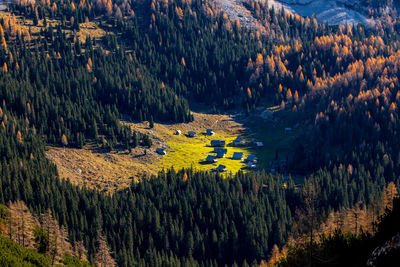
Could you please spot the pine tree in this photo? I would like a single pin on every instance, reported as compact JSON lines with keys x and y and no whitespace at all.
{"x":151,"y":122}
{"x":389,"y":194}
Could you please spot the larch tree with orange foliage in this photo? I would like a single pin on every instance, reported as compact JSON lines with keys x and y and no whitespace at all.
{"x":388,"y":195}
{"x":19,"y":137}
{"x":64,"y":140}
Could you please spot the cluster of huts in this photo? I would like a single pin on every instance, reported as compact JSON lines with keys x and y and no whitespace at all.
{"x":220,"y":150}
{"x":162,"y":152}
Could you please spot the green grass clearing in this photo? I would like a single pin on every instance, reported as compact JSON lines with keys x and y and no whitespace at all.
{"x":187,"y":152}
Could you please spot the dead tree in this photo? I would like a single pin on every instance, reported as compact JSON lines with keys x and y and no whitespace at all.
{"x":58,"y":243}
{"x":20,"y":224}
{"x":79,"y":251}
{"x":103,"y":253}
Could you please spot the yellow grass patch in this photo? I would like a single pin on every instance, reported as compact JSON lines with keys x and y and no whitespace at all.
{"x":184,"y":152}
{"x":193,"y":151}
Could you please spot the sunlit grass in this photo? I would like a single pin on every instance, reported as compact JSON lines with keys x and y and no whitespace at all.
{"x":187,"y":152}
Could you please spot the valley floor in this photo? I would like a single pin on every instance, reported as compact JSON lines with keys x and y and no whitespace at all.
{"x":97,"y":169}
{"x":110,"y":171}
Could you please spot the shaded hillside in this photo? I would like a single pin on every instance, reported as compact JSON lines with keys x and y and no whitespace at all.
{"x":349,"y":249}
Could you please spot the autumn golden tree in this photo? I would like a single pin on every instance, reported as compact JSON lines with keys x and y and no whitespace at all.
{"x":289,"y":95}
{"x":28,"y":108}
{"x":3,"y":39}
{"x":356,"y":219}
{"x":276,"y":256}
{"x":19,"y":137}
{"x":185,"y":177}
{"x":388,"y":195}
{"x":237,"y":24}
{"x":64,"y":140}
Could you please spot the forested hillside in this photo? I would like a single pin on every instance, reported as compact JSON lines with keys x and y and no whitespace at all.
{"x":340,"y":83}
{"x":349,"y":249}
{"x":174,"y":218}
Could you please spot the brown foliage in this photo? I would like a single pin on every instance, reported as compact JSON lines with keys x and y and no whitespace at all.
{"x":20,"y":224}
{"x":64,"y":140}
{"x":58,"y":243}
{"x":103,"y":258}
{"x":79,"y":251}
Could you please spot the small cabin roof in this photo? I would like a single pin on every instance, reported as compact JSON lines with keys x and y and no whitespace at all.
{"x":209,"y":132}
{"x":210,"y":158}
{"x":217,"y":143}
{"x":220,"y":149}
{"x":237,"y":155}
{"x":221,"y":168}
{"x":161,"y":151}
{"x":221,"y":154}
{"x":191,"y":133}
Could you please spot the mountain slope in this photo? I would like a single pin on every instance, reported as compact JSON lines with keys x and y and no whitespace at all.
{"x":333,"y":12}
